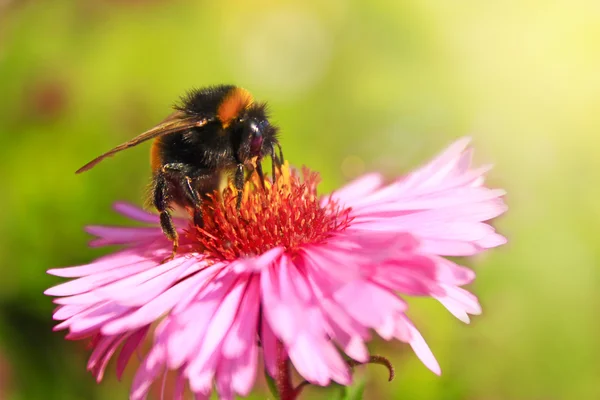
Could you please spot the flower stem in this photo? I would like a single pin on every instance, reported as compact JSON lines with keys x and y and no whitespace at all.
{"x":284,"y":379}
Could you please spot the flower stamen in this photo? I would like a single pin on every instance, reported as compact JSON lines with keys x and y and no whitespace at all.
{"x":287,"y":214}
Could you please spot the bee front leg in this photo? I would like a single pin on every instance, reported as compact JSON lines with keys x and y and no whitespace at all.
{"x":196,"y":200}
{"x":276,"y":161}
{"x":260,"y":173}
{"x":161,"y":202}
{"x":280,"y":161}
{"x":238,"y":181}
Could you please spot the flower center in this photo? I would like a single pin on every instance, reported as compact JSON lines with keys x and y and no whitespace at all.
{"x":287,"y":214}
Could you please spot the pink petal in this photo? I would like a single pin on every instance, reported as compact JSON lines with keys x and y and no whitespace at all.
{"x":220,"y":322}
{"x":472,"y":212}
{"x":85,"y":299}
{"x":409,"y":274}
{"x":450,"y":248}
{"x":256,"y":264}
{"x":201,"y":373}
{"x":152,"y":310}
{"x":243,"y":330}
{"x":139,"y":289}
{"x":127,"y":287}
{"x":376,"y":241}
{"x":339,"y":321}
{"x":244,"y":371}
{"x":422,"y":351}
{"x":368,"y":303}
{"x":68,"y":311}
{"x":319,"y":259}
{"x":133,"y":212}
{"x":193,"y":322}
{"x":293,"y":287}
{"x":353,"y":345}
{"x":223,"y":379}
{"x":93,"y":317}
{"x":441,"y":164}
{"x":459,"y":298}
{"x":304,"y":354}
{"x":281,"y":319}
{"x":209,"y":280}
{"x":102,"y":353}
{"x":466,"y":231}
{"x":406,"y":332}
{"x":491,"y":241}
{"x":455,"y":309}
{"x":111,"y":235}
{"x":237,"y":375}
{"x":201,"y":396}
{"x":362,"y":186}
{"x":147,"y":372}
{"x":288,"y":303}
{"x":107,"y":263}
{"x":318,"y":361}
{"x":269,"y":345}
{"x":131,"y":344}
{"x":455,"y":198}
{"x":451,"y":273}
{"x":90,"y":282}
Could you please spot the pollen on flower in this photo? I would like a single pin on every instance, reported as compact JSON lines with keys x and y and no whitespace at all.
{"x":287,"y":214}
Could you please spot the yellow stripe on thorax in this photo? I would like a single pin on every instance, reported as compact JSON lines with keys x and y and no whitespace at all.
{"x":236,"y":101}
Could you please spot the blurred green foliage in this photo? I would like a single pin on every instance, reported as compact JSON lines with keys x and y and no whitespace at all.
{"x":355,"y":86}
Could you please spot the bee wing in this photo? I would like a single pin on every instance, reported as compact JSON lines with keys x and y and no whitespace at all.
{"x":174,"y":123}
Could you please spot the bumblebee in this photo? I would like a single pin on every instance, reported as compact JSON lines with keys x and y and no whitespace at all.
{"x":215,"y":130}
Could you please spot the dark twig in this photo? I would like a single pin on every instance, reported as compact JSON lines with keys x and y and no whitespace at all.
{"x":352,"y":363}
{"x":376,"y":360}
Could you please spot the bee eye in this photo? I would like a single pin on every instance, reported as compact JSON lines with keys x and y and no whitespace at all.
{"x":263,"y":124}
{"x":255,"y":128}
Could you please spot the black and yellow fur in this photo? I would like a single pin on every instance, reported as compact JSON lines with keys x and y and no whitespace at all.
{"x":213,"y":130}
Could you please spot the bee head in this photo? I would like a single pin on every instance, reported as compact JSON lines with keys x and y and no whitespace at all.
{"x":258,"y":136}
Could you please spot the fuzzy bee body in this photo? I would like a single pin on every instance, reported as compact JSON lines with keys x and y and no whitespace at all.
{"x":214,"y":130}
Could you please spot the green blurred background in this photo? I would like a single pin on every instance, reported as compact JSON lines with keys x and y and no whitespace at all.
{"x":355,"y":86}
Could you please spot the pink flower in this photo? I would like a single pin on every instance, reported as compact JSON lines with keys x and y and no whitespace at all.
{"x":314,"y":274}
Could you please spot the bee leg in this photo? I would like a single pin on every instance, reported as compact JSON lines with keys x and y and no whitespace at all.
{"x":280,"y":161}
{"x":198,"y":217}
{"x":161,"y":202}
{"x":261,"y":176}
{"x":201,"y":185}
{"x":274,"y":164}
{"x":187,"y":183}
{"x":238,"y":181}
{"x":181,"y":173}
{"x":276,"y":160}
